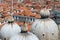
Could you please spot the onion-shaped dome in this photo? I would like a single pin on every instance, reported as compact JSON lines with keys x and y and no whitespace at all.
{"x":9,"y":29}
{"x":24,"y":35}
{"x":44,"y":12}
{"x":45,"y":29}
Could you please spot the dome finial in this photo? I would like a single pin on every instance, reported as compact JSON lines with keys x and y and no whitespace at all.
{"x":10,"y":19}
{"x":24,"y":28}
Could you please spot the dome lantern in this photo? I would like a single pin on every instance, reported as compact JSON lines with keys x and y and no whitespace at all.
{"x":45,"y":13}
{"x":24,"y":28}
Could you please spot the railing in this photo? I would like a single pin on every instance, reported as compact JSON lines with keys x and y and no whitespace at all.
{"x":24,"y":18}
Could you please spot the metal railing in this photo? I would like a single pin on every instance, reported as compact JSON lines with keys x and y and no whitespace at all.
{"x":24,"y":18}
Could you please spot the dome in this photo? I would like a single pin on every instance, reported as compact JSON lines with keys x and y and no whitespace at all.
{"x":10,"y":29}
{"x":24,"y":36}
{"x":59,"y":26}
{"x":59,"y":29}
{"x":45,"y":29}
{"x":44,"y":12}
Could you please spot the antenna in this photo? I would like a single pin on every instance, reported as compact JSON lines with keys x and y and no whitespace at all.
{"x":11,"y":8}
{"x":12,"y":5}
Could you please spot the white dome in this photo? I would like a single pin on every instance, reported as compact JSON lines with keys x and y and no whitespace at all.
{"x":10,"y":29}
{"x":24,"y":36}
{"x":59,"y":30}
{"x":59,"y":26}
{"x":44,"y":12}
{"x":45,"y":29}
